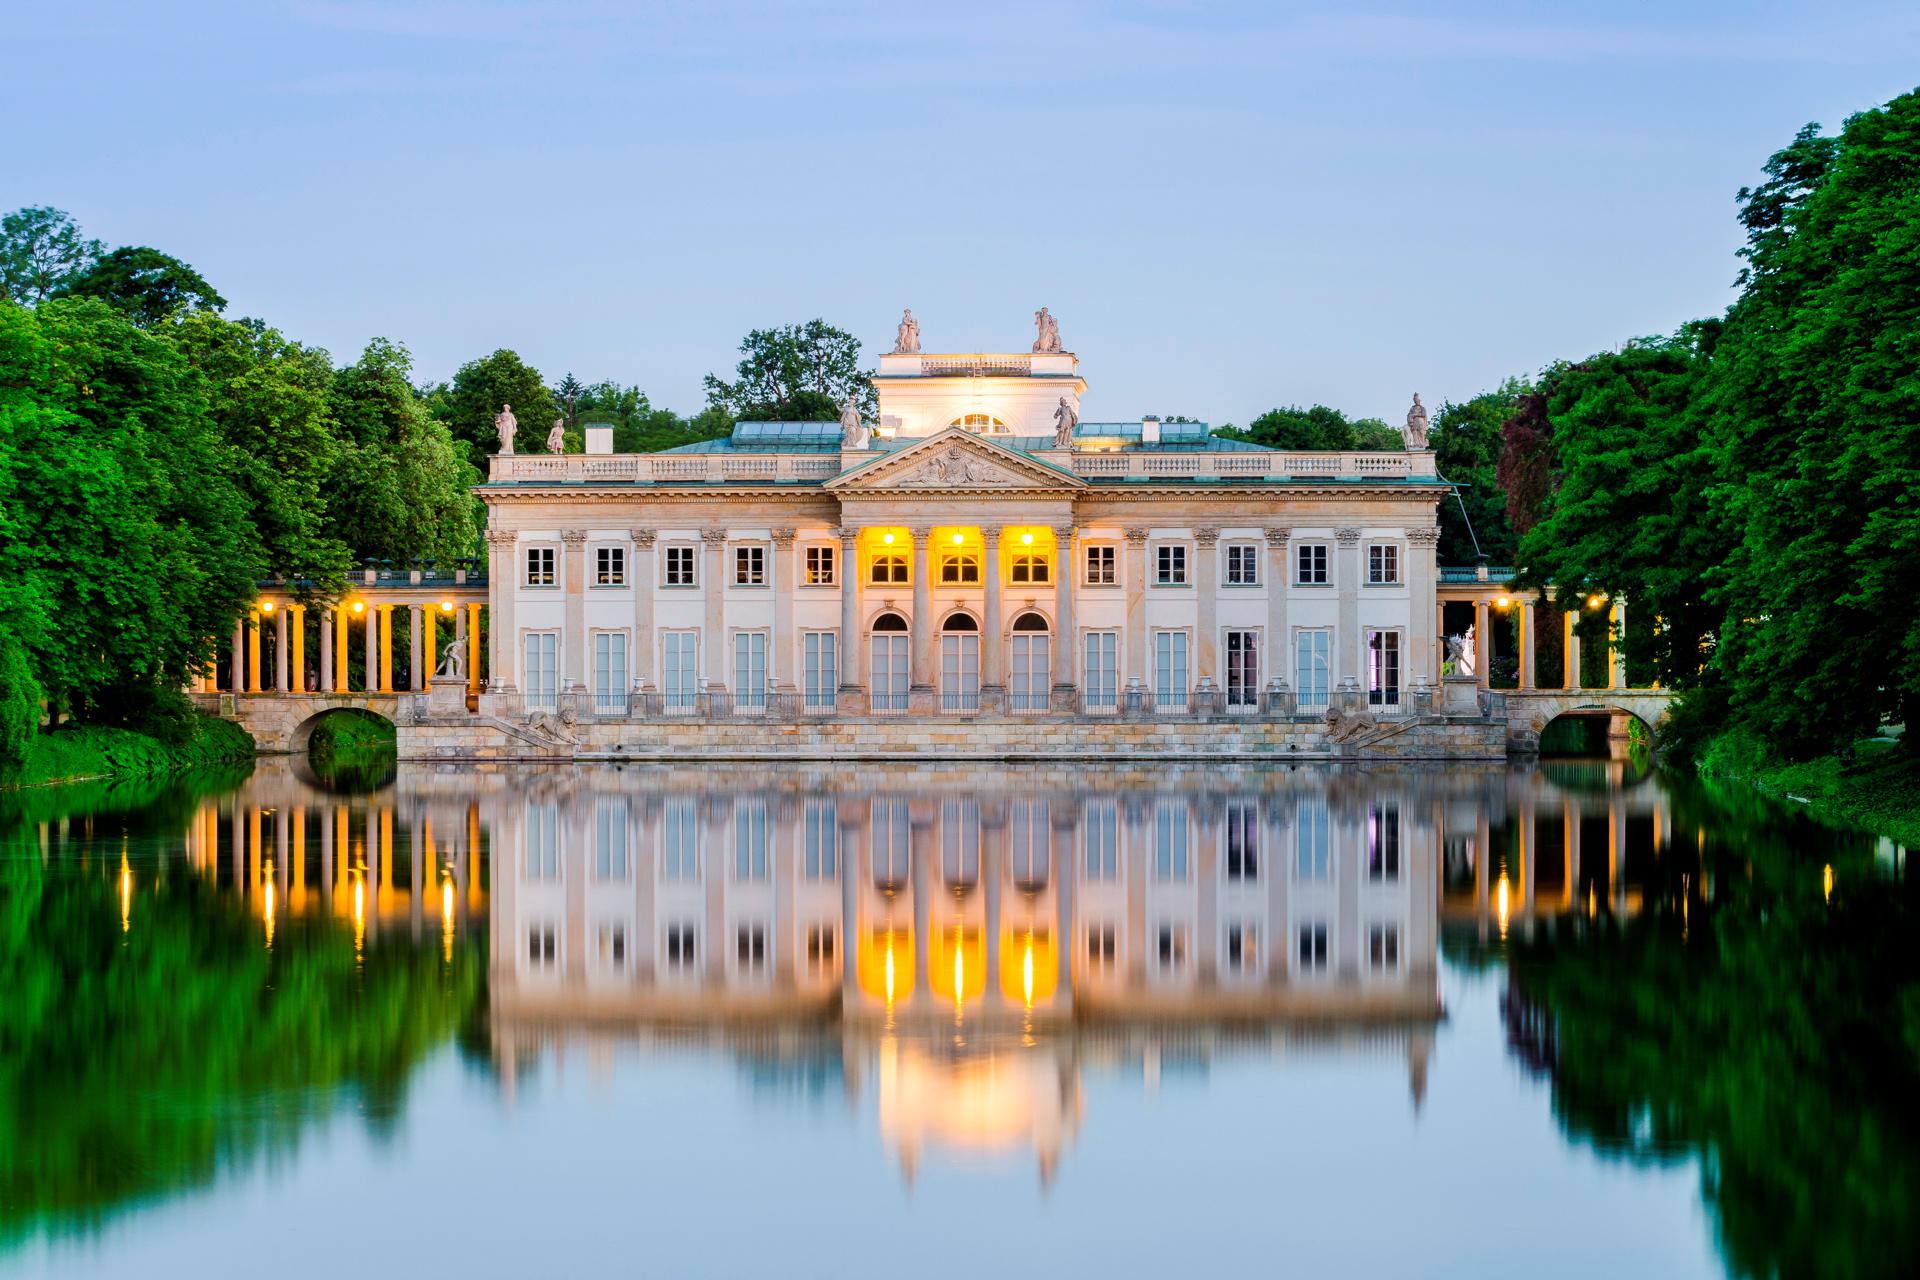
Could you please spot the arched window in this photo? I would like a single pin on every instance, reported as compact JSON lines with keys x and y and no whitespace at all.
{"x":887,"y":569}
{"x":962,"y":622}
{"x":960,"y":663}
{"x":981,"y":424}
{"x":1030,"y":677}
{"x":959,"y":569}
{"x":888,"y":664}
{"x":1030,"y":622}
{"x":889,"y":622}
{"x":1031,"y":567}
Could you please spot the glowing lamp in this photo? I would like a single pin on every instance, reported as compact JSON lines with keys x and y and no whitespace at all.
{"x":959,"y":538}
{"x":887,"y":538}
{"x":1026,"y":539}
{"x":1593,"y":602}
{"x":359,"y":606}
{"x":266,"y":606}
{"x":446,"y":606}
{"x":1502,"y":602}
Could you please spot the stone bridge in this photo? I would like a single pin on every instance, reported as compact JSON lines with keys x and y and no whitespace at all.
{"x":282,"y":723}
{"x":1528,"y":711}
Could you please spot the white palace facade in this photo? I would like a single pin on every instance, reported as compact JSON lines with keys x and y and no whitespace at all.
{"x":976,"y":552}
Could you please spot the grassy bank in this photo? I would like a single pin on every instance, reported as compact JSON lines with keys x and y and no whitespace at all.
{"x":1878,"y":790}
{"x":76,"y":752}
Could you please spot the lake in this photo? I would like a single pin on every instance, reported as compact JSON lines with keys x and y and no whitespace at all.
{"x":1574,"y":1019}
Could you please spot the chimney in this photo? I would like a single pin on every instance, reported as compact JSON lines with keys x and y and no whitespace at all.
{"x":1149,"y":430}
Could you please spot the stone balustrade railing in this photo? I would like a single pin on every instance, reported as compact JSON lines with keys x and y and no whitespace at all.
{"x":1142,"y":465}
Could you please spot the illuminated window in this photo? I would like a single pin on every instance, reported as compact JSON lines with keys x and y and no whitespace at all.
{"x":820,"y":566}
{"x":539,"y":566}
{"x":887,"y":570}
{"x":749,"y":566}
{"x":981,"y":424}
{"x":680,"y":567}
{"x":1103,"y":568}
{"x":609,"y":566}
{"x":959,"y":569}
{"x":1030,"y":568}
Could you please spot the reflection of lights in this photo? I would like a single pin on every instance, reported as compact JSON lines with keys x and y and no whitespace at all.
{"x":1826,"y":882}
{"x":959,"y":973}
{"x":1026,"y":970}
{"x":269,"y":904}
{"x":126,"y":893}
{"x":446,"y":899}
{"x":1502,"y":899}
{"x":889,"y":971}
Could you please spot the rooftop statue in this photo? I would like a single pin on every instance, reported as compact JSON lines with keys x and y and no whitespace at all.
{"x":907,"y":340}
{"x":1416,"y":433}
{"x":853,"y":432}
{"x":1064,"y":420}
{"x":504,"y":423}
{"x":1048,"y":343}
{"x":557,"y":437}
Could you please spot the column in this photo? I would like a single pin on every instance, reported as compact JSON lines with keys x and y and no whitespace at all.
{"x":573,"y":635}
{"x":255,"y":684}
{"x":1423,"y":576}
{"x":1347,"y":640}
{"x":713,"y":659}
{"x":1206,"y":549}
{"x":1526,"y":644}
{"x":849,"y":571}
{"x":1617,"y":649}
{"x":467,"y":632}
{"x":372,"y":617}
{"x":236,"y":661}
{"x":1570,"y":647}
{"x":1277,"y":638}
{"x":386,"y":649}
{"x":922,"y":613}
{"x":280,"y":655}
{"x":298,"y":657}
{"x":501,"y":640}
{"x":416,"y":648}
{"x":993,"y":639}
{"x":1066,"y":643}
{"x":642,"y":656}
{"x":1136,"y":641}
{"x":337,"y":646}
{"x":783,"y":637}
{"x":428,"y":625}
{"x":1482,"y":643}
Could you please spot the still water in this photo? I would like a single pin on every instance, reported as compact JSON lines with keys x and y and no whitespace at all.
{"x":951,"y":1021}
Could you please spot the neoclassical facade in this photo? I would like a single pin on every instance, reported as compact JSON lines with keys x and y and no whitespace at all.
{"x":977,"y":551}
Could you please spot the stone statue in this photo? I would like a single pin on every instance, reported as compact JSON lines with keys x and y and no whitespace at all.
{"x":1048,"y":343}
{"x":1348,"y":726}
{"x":1457,"y":660}
{"x":557,"y":437}
{"x":907,"y":340}
{"x":1064,"y":421}
{"x":853,"y":432}
{"x":506,"y":425}
{"x":1416,"y":433}
{"x":455,"y":667}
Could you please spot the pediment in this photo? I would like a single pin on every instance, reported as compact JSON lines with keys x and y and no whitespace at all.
{"x":955,"y":460}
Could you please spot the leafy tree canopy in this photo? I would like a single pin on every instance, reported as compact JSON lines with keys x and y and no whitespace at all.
{"x":40,"y":250}
{"x":146,"y":284}
{"x":796,"y":373}
{"x":1466,"y":439}
{"x":1317,"y":428}
{"x":480,"y":388}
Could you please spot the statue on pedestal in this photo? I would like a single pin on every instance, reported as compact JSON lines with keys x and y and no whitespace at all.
{"x":907,"y":340}
{"x":505,"y":424}
{"x":557,"y":437}
{"x":455,"y":667}
{"x":853,"y":432}
{"x":1048,"y":343}
{"x":1064,"y":421}
{"x":1416,"y":432}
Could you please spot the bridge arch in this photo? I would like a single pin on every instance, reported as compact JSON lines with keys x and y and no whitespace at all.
{"x":1529,"y":713}
{"x":301,"y":738}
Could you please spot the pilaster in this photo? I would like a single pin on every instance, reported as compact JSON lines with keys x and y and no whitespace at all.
{"x":643,"y":561}
{"x":1347,"y":640}
{"x":1136,"y":640}
{"x":1423,"y":574}
{"x":923,"y":634}
{"x":713,"y":588}
{"x":1277,"y":638}
{"x":783,"y":638}
{"x":1206,"y":547}
{"x":503,"y":586}
{"x":573,"y":637}
{"x":1066,"y":646}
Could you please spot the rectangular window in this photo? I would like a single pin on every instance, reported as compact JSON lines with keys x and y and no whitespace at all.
{"x":1312,"y":853}
{"x":609,"y":566}
{"x":680,"y":566}
{"x":609,"y":672}
{"x":750,"y":840}
{"x":1103,"y":947}
{"x":1383,"y":948}
{"x":749,"y":566}
{"x":1383,"y":668}
{"x":960,"y":843}
{"x":821,"y":939}
{"x":959,"y":570}
{"x":1311,"y":559}
{"x":1313,"y":665}
{"x":1103,"y":568}
{"x":543,"y":841}
{"x":679,"y":670}
{"x":1170,"y":668}
{"x":887,"y":570}
{"x":1029,"y":843}
{"x":1313,"y":947}
{"x":749,"y":670}
{"x":1100,"y":675}
{"x":821,"y":856}
{"x":680,"y":841}
{"x":543,"y":946}
{"x":891,"y":838}
{"x":682,"y":950}
{"x":1243,"y":841}
{"x":1243,"y":948}
{"x":1170,"y":853}
{"x":543,"y":670}
{"x":750,"y":949}
{"x":610,"y":840}
{"x":1383,"y":564}
{"x":820,"y":562}
{"x":1171,"y":565}
{"x":1101,"y":832}
{"x":821,"y":659}
{"x":1383,"y":842}
{"x":1170,"y":948}
{"x":539,"y":566}
{"x":1243,"y":668}
{"x":1030,"y":568}
{"x":1243,"y":564}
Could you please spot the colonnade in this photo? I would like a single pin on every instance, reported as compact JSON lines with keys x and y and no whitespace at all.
{"x":268,"y":649}
{"x":1528,"y":618}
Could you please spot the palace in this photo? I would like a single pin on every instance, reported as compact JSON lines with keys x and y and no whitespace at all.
{"x":976,"y":551}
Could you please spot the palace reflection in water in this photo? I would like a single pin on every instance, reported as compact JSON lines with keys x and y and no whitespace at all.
{"x":953,"y":944}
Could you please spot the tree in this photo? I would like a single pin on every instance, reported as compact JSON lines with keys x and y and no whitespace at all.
{"x":478,"y":391}
{"x":1466,"y":439}
{"x":40,"y":249}
{"x":1319,"y":428}
{"x":146,"y":284}
{"x":797,"y":373}
{"x":566,"y":396}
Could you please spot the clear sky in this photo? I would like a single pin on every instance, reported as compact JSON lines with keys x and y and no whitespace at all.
{"x":1228,"y":206}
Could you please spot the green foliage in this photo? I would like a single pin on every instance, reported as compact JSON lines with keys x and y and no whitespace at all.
{"x":796,"y":373}
{"x":40,"y":250}
{"x":145,"y":284}
{"x":479,"y":389}
{"x":1466,"y":439}
{"x":98,"y":751}
{"x":1317,"y":428}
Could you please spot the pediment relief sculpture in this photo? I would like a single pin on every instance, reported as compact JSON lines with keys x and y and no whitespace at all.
{"x":955,"y":466}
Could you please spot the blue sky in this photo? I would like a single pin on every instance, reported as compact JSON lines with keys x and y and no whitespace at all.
{"x":1228,"y":206}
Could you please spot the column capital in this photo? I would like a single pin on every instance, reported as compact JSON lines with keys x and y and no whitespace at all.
{"x":1063,"y":533}
{"x":1347,"y":537}
{"x":846,"y":533}
{"x":990,"y":537}
{"x":502,"y":537}
{"x":920,"y":533}
{"x":784,"y":537}
{"x":1424,"y":537}
{"x":573,"y":537}
{"x":1136,"y":536}
{"x":1277,"y":539}
{"x":642,"y":538}
{"x":713,"y":535}
{"x":1206,"y":537}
